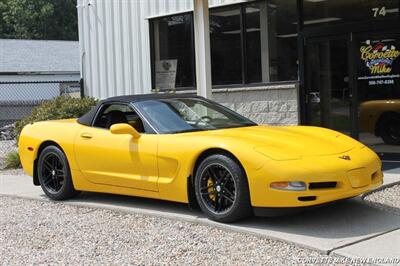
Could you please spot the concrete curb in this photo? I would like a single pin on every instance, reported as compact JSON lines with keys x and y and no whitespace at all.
{"x":382,"y":187}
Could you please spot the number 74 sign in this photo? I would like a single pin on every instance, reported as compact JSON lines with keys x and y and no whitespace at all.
{"x":379,"y":11}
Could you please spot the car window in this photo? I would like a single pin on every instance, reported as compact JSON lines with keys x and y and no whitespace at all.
{"x":189,"y":114}
{"x":111,"y":114}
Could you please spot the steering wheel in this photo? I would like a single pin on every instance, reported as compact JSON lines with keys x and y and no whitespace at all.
{"x":205,"y":118}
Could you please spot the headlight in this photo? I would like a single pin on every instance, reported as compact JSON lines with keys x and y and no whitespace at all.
{"x":294,"y":185}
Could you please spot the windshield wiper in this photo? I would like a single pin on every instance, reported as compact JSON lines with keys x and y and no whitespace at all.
{"x":188,"y":130}
{"x":205,"y":129}
{"x":241,"y":125}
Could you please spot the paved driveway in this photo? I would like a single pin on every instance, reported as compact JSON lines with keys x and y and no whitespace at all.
{"x":340,"y":228}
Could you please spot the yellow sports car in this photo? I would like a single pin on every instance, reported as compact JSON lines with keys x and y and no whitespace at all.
{"x":382,"y":118}
{"x":193,"y":150}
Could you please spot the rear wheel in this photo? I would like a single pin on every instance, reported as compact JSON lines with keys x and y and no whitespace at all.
{"x":390,"y":129}
{"x":54,"y":174}
{"x":221,"y":189}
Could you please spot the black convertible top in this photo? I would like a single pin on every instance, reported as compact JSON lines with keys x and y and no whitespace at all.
{"x":87,"y":118}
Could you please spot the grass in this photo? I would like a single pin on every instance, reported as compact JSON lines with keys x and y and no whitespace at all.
{"x":12,"y":160}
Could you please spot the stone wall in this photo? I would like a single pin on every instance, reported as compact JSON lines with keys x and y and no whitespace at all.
{"x":271,"y":104}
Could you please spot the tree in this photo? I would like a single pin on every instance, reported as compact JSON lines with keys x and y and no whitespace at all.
{"x":38,"y":19}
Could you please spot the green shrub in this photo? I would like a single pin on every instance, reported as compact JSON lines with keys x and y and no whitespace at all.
{"x":61,"y":107}
{"x":12,"y":160}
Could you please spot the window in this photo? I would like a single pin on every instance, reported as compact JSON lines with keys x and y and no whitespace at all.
{"x":225,"y":43}
{"x":282,"y":39}
{"x":172,"y":40}
{"x":188,"y":115}
{"x":119,"y":113}
{"x":254,"y":42}
{"x":250,"y":43}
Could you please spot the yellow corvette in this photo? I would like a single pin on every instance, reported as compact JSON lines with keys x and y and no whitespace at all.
{"x":382,"y":118}
{"x":192,"y":150}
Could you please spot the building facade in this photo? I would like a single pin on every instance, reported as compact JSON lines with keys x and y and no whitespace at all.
{"x":331,"y":63}
{"x":32,"y":71}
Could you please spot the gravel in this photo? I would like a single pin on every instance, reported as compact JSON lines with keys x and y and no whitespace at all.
{"x":388,"y":198}
{"x":17,"y":171}
{"x":36,"y":232}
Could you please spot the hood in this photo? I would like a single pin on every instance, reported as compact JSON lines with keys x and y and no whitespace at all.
{"x":292,"y":142}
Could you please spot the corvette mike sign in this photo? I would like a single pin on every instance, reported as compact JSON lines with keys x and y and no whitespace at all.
{"x":379,"y":62}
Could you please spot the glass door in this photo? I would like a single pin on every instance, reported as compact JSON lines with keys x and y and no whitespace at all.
{"x":352,"y":85}
{"x":377,"y":60}
{"x":328,"y":83}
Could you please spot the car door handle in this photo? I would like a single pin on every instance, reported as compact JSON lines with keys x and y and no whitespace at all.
{"x":86,"y":136}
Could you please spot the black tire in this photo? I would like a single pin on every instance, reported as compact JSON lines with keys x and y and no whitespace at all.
{"x":390,"y":129}
{"x":212,"y":194}
{"x":54,"y":174}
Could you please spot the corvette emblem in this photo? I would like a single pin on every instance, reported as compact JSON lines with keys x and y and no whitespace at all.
{"x":345,"y":157}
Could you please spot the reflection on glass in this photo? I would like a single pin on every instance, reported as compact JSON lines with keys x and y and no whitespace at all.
{"x":328,"y":88}
{"x":226,"y":63}
{"x":173,"y":40}
{"x":382,"y":119}
{"x":379,"y":93}
{"x":263,"y":34}
{"x":188,"y":115}
{"x":256,"y":40}
{"x":271,"y":40}
{"x":282,"y":36}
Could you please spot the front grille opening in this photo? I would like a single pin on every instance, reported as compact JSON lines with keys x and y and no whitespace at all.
{"x":322,"y":185}
{"x":307,"y":198}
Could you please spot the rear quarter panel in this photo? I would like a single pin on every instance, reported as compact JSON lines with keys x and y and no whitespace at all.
{"x":34,"y":135}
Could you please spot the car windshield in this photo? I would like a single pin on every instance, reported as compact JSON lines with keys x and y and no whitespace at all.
{"x":180,"y":115}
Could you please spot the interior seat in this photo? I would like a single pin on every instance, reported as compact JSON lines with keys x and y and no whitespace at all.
{"x":138,"y":125}
{"x":115,"y":117}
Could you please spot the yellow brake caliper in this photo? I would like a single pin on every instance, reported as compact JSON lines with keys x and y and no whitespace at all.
{"x":210,"y":185}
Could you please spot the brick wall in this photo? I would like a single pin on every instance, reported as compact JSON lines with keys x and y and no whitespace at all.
{"x":272,"y":104}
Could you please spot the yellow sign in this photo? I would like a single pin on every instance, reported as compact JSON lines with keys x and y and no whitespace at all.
{"x":379,"y":57}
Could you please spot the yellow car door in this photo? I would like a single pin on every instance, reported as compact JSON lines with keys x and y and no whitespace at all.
{"x":117,"y":160}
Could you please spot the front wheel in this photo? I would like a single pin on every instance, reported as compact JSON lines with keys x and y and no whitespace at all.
{"x":222,"y":190}
{"x":54,"y":174}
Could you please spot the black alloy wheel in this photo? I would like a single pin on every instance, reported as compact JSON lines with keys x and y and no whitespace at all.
{"x":217,"y":188}
{"x":222,"y":190}
{"x":54,"y":174}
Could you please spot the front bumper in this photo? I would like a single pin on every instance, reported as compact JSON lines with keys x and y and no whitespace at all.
{"x":351,"y":177}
